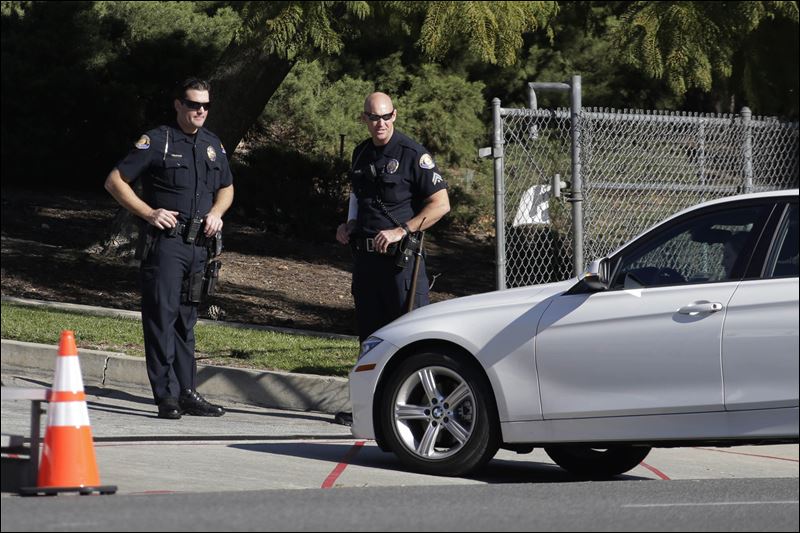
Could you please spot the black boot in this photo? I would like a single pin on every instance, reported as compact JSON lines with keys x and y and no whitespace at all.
{"x":192,"y":403}
{"x":344,"y":418}
{"x":169,"y":408}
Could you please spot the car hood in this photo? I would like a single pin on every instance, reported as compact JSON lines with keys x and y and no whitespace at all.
{"x":469,"y":319}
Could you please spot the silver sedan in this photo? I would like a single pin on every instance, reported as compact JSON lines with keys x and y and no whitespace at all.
{"x":686,"y":335}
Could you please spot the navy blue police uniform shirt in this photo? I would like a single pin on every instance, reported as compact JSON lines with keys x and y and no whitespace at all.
{"x":405,"y":175}
{"x":179,"y":172}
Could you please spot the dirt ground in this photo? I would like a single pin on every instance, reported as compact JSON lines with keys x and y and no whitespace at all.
{"x":265,"y":279}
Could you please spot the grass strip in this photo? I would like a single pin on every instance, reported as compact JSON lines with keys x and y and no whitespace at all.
{"x":216,"y":344}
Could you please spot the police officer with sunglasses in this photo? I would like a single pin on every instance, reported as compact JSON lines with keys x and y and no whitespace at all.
{"x":187,"y":187}
{"x":396,"y":189}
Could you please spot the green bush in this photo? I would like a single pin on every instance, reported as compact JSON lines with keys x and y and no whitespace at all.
{"x":298,"y":159}
{"x":82,"y":80}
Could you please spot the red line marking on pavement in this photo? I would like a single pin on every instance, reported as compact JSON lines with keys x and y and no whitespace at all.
{"x":655,"y":470}
{"x":336,"y":472}
{"x":750,"y":454}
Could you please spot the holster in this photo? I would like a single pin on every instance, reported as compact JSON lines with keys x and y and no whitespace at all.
{"x":213,"y":244}
{"x":210,"y":277}
{"x":202,"y":284}
{"x":192,"y":289}
{"x":145,"y":243}
{"x":407,"y":248}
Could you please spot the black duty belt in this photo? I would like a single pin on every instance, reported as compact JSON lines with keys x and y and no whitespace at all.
{"x":367,"y":245}
{"x":180,"y":230}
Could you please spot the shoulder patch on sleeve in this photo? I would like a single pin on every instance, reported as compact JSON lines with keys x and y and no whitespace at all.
{"x":143,"y":143}
{"x":426,"y":161}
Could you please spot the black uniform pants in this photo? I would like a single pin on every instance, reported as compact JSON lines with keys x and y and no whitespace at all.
{"x":168,"y":323}
{"x":380,"y":290}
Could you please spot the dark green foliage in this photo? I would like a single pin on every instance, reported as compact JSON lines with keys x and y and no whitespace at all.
{"x":768,"y":81}
{"x":82,"y":80}
{"x":302,"y":128}
{"x":701,"y":45}
{"x":291,"y":192}
{"x":443,"y":112}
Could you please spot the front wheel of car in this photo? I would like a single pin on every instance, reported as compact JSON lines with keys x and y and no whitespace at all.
{"x":438,"y":415}
{"x":597,"y":463}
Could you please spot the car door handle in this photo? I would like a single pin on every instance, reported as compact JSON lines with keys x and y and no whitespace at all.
{"x":700,"y":307}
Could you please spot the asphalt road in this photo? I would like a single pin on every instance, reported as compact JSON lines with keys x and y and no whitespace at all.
{"x":266,"y":469}
{"x":704,"y":505}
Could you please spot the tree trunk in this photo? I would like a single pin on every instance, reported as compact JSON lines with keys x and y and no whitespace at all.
{"x":242,"y":84}
{"x":123,"y":233}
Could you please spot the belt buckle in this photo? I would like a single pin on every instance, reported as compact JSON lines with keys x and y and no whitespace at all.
{"x":370,"y":243}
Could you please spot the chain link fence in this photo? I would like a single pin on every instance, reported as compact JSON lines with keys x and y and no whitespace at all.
{"x":538,"y":234}
{"x":636,"y":168}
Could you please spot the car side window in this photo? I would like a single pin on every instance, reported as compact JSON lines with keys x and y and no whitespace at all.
{"x":713,"y":246}
{"x":784,"y":259}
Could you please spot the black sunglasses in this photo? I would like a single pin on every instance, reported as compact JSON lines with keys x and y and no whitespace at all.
{"x":196,"y":105}
{"x":375,"y":118}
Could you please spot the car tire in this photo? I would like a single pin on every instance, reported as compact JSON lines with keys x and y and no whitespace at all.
{"x":438,"y":414}
{"x":597,"y":463}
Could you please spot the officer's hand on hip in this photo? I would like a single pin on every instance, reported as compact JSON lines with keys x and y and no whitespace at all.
{"x":213,"y":224}
{"x":163,"y":218}
{"x":386,"y":237}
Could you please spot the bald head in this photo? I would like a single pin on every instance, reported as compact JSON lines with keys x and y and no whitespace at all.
{"x":378,"y":103}
{"x":379,"y":115}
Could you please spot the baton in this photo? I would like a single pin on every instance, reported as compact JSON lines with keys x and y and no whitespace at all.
{"x":412,"y":292}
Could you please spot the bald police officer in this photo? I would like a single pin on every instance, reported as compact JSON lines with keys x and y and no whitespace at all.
{"x":185,"y":178}
{"x":396,"y":189}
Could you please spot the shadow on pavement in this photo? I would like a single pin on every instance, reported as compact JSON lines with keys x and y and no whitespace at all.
{"x":497,"y":471}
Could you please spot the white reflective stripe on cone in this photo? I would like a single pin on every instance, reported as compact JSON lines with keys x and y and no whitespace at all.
{"x":68,"y":374}
{"x":67,"y":414}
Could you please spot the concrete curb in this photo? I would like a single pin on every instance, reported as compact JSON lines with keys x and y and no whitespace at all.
{"x":280,"y":390}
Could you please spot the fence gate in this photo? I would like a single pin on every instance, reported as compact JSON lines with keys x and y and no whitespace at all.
{"x":625,"y":171}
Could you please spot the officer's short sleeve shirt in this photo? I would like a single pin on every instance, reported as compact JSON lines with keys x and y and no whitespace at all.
{"x":179,"y":172}
{"x":402,"y":174}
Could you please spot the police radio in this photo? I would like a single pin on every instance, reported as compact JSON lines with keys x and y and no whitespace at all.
{"x":406,"y":249}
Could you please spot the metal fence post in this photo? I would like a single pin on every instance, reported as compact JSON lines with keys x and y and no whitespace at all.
{"x":499,"y":195}
{"x":747,"y":149}
{"x":577,"y":182}
{"x":701,"y":155}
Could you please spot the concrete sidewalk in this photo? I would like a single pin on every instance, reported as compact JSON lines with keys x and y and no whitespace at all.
{"x":273,"y":389}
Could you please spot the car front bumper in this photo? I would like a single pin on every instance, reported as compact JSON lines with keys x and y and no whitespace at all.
{"x":364,"y":385}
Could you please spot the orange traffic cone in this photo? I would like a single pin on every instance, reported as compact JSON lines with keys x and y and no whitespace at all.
{"x":68,"y":462}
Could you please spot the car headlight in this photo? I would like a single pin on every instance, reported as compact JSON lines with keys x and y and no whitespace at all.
{"x":368,"y":345}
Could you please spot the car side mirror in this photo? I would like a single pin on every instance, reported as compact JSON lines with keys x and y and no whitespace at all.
{"x":597,"y":275}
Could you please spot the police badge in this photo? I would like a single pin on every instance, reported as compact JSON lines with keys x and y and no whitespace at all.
{"x":392,"y":166}
{"x":212,"y":154}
